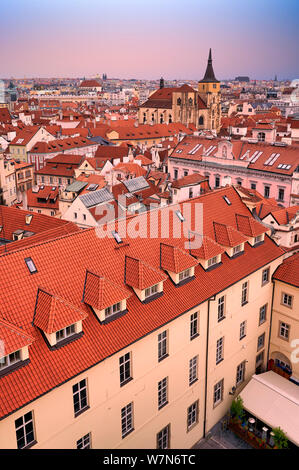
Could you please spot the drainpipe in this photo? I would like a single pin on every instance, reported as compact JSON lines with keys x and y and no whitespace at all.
{"x":270,"y":329}
{"x":207,"y":360}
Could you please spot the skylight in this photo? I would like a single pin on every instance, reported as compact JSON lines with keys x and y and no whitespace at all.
{"x":30,"y":265}
{"x":227,"y":200}
{"x":116,"y":237}
{"x":180,"y":216}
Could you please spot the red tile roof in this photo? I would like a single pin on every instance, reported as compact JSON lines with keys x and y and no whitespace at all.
{"x":189,"y":180}
{"x":208,"y":249}
{"x":249,"y":226}
{"x":141,"y":275}
{"x":46,"y":197}
{"x":175,"y":260}
{"x":100,"y":292}
{"x":61,"y":269}
{"x":228,"y":236}
{"x":288,"y":271}
{"x":12,"y":338}
{"x":52,"y":313}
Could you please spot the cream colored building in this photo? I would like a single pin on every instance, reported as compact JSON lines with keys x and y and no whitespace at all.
{"x":200,"y":335}
{"x":285,"y":319}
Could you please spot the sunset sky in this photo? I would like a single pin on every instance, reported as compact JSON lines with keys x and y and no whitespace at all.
{"x":149,"y":38}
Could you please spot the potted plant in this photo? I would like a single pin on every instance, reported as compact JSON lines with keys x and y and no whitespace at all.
{"x":280,"y":439}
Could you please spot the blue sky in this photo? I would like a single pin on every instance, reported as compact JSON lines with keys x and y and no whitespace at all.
{"x":147,"y":39}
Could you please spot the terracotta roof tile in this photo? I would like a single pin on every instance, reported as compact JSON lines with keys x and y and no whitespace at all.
{"x":228,"y":236}
{"x":141,"y":275}
{"x":100,"y":292}
{"x":12,"y":337}
{"x":175,"y":260}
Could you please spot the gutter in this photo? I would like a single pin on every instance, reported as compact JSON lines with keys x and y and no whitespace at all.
{"x":206,"y":371}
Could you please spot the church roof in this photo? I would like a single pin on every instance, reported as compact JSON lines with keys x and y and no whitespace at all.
{"x":209,"y":75}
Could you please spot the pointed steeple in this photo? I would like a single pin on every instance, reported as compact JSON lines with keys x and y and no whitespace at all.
{"x":209,"y":75}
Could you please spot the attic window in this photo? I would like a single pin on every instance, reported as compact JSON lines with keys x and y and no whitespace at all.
{"x":116,"y":237}
{"x":151,"y":291}
{"x":184,"y":274}
{"x":258,"y":239}
{"x":237,"y":249}
{"x":212,"y":261}
{"x":112,"y":309}
{"x":227,"y":200}
{"x":30,"y":265}
{"x":180,"y":216}
{"x":65,"y":332}
{"x":11,"y":359}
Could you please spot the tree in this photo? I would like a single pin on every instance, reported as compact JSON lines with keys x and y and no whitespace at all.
{"x":280,"y":438}
{"x":237,"y":409}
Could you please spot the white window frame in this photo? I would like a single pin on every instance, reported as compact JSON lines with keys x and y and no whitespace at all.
{"x":287,"y":300}
{"x":112,"y":309}
{"x":218,"y":392}
{"x":221,"y":308}
{"x":82,"y":394}
{"x":192,"y":415}
{"x":127,"y":420}
{"x":259,"y":344}
{"x":242,"y":329}
{"x":22,"y":428}
{"x":237,"y":249}
{"x":244,"y":295}
{"x":265,"y":276}
{"x":193,"y":370}
{"x":149,"y":291}
{"x":84,"y":442}
{"x":184,"y":274}
{"x":163,"y":438}
{"x":284,"y":330}
{"x":162,"y":392}
{"x":65,"y":332}
{"x":194,"y":325}
{"x":212,"y":261}
{"x":125,"y":368}
{"x":10,"y":359}
{"x":162,"y":345}
{"x":263,"y":314}
{"x":240,"y":376}
{"x":219,"y":350}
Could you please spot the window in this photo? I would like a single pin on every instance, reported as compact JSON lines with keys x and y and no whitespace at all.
{"x":212,"y":261}
{"x":281,"y":194}
{"x":217,"y":181}
{"x":193,"y":370}
{"x":162,"y":345}
{"x":10,"y":359}
{"x":162,"y":392}
{"x":237,"y":249}
{"x":151,"y":291}
{"x":240,"y":373}
{"x":258,"y":239}
{"x":190,"y":193}
{"x":80,"y":397}
{"x":163,"y":438}
{"x":253,"y":185}
{"x":125,"y":369}
{"x":242,"y":329}
{"x":24,"y":430}
{"x":175,"y":174}
{"x":263,"y":314}
{"x":185,"y":172}
{"x":84,"y":216}
{"x":194,"y":325}
{"x":192,"y":415}
{"x":265,"y":276}
{"x":218,"y":393}
{"x":75,"y":215}
{"x":219,"y":350}
{"x":84,"y":442}
{"x":221,"y":308}
{"x":184,"y":275}
{"x":244,"y":297}
{"x":267,"y":191}
{"x":261,"y":341}
{"x":259,"y":358}
{"x":261,"y":136}
{"x":287,"y":300}
{"x":112,"y":309}
{"x":65,"y":332}
{"x":30,"y":265}
{"x":284,"y":330}
{"x":127,"y":420}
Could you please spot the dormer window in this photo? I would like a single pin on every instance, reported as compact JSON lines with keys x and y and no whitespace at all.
{"x":184,"y":274}
{"x":116,"y":308}
{"x":10,"y":359}
{"x":65,"y":332}
{"x":237,"y":249}
{"x":212,"y":261}
{"x":151,"y":291}
{"x":258,"y":239}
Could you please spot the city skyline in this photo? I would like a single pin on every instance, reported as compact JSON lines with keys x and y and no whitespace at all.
{"x":75,"y":39}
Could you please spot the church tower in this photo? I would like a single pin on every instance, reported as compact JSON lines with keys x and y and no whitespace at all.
{"x":209,"y":91}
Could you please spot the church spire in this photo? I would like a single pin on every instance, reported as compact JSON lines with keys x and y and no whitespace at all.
{"x":209,"y":75}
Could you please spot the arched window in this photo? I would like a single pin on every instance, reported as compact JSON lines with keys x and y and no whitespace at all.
{"x":261,"y":136}
{"x":179,"y":101}
{"x":170,"y":119}
{"x":224,"y":151}
{"x":190,"y":101}
{"x":144,"y":118}
{"x":200,"y":121}
{"x":161,"y":118}
{"x":153,"y":117}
